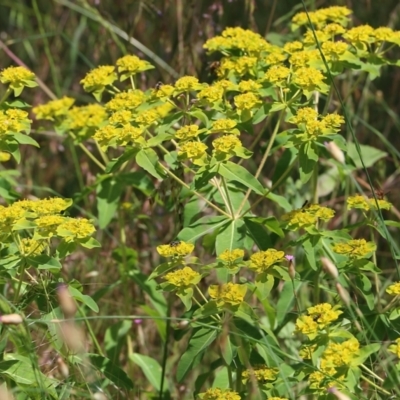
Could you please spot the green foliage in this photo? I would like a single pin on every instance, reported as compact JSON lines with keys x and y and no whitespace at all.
{"x":293,"y":303}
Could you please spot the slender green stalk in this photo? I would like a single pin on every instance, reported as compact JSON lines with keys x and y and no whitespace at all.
{"x":200,"y":196}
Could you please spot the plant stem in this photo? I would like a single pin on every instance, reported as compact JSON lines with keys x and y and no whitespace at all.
{"x":264,"y":159}
{"x":200,"y":196}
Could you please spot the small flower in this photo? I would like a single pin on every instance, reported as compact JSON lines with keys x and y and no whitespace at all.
{"x":211,"y":94}
{"x":147,"y":118}
{"x":31,"y":247}
{"x":97,"y":79}
{"x":323,"y":314}
{"x":187,"y":132}
{"x":106,"y":136}
{"x":261,"y":373}
{"x":230,"y":256}
{"x":263,"y":260}
{"x":292,"y":47}
{"x":333,"y":51}
{"x":181,"y":249}
{"x":183,"y":278}
{"x":187,"y":84}
{"x":125,"y":101}
{"x":75,"y":228}
{"x":307,"y":351}
{"x":228,"y":293}
{"x":306,"y":325}
{"x":4,"y":156}
{"x":394,"y":289}
{"x":308,"y":79}
{"x":54,"y":109}
{"x":121,"y":117}
{"x":395,"y":348}
{"x":219,"y":394}
{"x":129,"y":134}
{"x":360,"y":35}
{"x":192,"y":150}
{"x":307,"y":216}
{"x":18,"y":78}
{"x":163,"y":92}
{"x":334,"y":29}
{"x":85,"y":120}
{"x":131,"y":65}
{"x":277,"y":74}
{"x":304,"y":115}
{"x":355,"y":249}
{"x":224,"y":126}
{"x":226,"y":144}
{"x":246,"y":101}
{"x":249,"y":86}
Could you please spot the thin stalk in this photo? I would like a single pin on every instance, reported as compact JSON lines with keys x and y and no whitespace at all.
{"x":264,"y":159}
{"x":200,"y":196}
{"x":277,"y":183}
{"x":6,"y":94}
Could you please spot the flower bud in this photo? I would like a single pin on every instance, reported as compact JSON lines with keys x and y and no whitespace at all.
{"x":337,"y":394}
{"x":67,"y":303}
{"x":344,"y":295}
{"x":335,"y":152}
{"x":329,"y":267}
{"x":11,"y":319}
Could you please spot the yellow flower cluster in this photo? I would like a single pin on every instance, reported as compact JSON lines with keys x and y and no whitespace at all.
{"x":394,"y":289}
{"x":188,"y":84}
{"x":219,"y":394}
{"x":240,"y":39}
{"x":44,"y":216}
{"x":231,"y":256}
{"x":99,"y":78}
{"x":17,"y":78}
{"x":175,"y":249}
{"x":227,"y":293}
{"x":29,"y":247}
{"x":318,"y":318}
{"x":54,"y":109}
{"x":321,"y":17}
{"x":263,"y":260}
{"x":195,"y":151}
{"x":125,"y":101}
{"x":211,"y":94}
{"x":187,"y":132}
{"x":395,"y":348}
{"x":183,"y":278}
{"x":277,"y":75}
{"x":367,"y":204}
{"x":226,"y":144}
{"x":84,"y":120}
{"x":131,"y":65}
{"x":355,"y":249}
{"x":13,"y":121}
{"x":261,"y":373}
{"x":307,"y":216}
{"x":224,"y":126}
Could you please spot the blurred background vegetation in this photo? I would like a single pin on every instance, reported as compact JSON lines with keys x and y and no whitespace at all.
{"x":61,"y":40}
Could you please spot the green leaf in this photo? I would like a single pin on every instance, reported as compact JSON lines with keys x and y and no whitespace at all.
{"x":258,"y":233}
{"x":202,"y":227}
{"x":83,"y":298}
{"x":115,"y":338}
{"x":237,"y":173}
{"x":108,"y":197}
{"x":370,"y":155}
{"x":116,"y":163}
{"x":25,"y":139}
{"x":111,"y":371}
{"x":280,"y":200}
{"x":307,"y":160}
{"x":148,"y":160}
{"x":45,"y":262}
{"x":286,"y":300}
{"x":150,"y":368}
{"x":230,"y":236}
{"x":198,"y":344}
{"x":364,"y":353}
